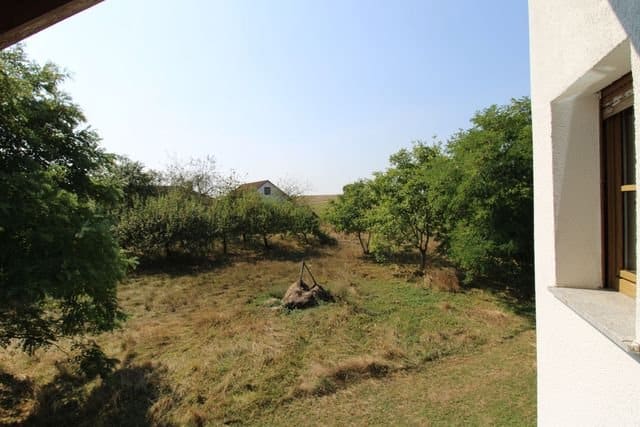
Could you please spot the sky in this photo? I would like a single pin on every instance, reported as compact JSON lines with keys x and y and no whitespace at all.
{"x":318,"y":93}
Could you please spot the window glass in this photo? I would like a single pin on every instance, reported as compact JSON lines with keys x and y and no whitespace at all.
{"x":628,"y":148}
{"x":629,"y":212}
{"x":629,"y":197}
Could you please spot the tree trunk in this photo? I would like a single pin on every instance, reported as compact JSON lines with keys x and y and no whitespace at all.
{"x":423,"y":259}
{"x":244,"y":240}
{"x":265,"y":241}
{"x":423,"y":252}
{"x":224,"y":244}
{"x":363,"y":245}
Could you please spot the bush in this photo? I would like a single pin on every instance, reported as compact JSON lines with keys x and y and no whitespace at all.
{"x":171,"y":224}
{"x":302,"y":221}
{"x":491,"y":209}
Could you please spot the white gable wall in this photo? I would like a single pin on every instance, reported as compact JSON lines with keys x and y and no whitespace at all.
{"x":275,"y":192}
{"x":577,"y":48}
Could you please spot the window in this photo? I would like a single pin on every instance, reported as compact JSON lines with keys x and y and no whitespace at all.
{"x":590,"y":235}
{"x":267,"y":191}
{"x":619,"y":186}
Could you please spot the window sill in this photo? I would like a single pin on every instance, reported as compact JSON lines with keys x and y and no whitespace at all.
{"x":610,"y":312}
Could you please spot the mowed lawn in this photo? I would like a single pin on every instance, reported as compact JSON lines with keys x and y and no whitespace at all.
{"x":210,"y":347}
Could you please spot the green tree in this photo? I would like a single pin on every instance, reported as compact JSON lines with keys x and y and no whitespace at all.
{"x":227,"y":218}
{"x":404,"y":214}
{"x":300,"y":220}
{"x":135,"y":180}
{"x":490,"y":205}
{"x":259,"y":216}
{"x":59,"y":262}
{"x":176,"y":223}
{"x":351,"y":212}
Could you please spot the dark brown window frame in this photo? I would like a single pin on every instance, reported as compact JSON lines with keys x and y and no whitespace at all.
{"x":615,"y":102}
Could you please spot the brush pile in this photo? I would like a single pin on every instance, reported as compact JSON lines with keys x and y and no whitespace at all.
{"x":301,"y":295}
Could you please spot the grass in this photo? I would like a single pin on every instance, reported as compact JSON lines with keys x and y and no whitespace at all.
{"x":211,"y":348}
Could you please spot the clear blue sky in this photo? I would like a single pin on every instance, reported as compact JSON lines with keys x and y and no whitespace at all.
{"x":316,"y":92}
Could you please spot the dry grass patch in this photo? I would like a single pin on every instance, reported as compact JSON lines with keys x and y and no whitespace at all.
{"x":319,"y":203}
{"x":207,"y":348}
{"x":17,"y":397}
{"x":322,"y":380}
{"x":442,"y":279}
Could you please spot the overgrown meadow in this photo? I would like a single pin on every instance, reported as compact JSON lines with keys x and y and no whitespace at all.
{"x":210,"y":346}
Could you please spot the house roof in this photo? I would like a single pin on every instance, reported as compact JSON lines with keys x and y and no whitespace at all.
{"x":20,"y":19}
{"x":253,"y":185}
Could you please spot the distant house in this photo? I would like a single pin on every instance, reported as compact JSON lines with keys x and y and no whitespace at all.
{"x":266,"y":188}
{"x":585,"y":69}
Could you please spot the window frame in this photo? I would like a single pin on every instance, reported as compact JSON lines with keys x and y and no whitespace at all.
{"x":615,"y":100}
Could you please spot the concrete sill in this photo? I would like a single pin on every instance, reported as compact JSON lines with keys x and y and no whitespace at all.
{"x":610,"y":312}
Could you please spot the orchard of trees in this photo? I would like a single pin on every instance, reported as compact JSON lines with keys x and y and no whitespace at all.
{"x":191,"y":211}
{"x":472,"y":195}
{"x":74,"y":219}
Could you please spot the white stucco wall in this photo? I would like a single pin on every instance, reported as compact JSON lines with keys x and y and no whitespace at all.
{"x":276,"y":193}
{"x":577,"y":48}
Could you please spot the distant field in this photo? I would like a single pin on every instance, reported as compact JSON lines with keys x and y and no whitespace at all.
{"x":210,"y":347}
{"x":320,"y":202}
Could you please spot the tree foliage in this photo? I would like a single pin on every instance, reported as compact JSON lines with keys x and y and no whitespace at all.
{"x":176,"y":223}
{"x":490,"y":209}
{"x":404,"y":214}
{"x":351,"y":212}
{"x":198,"y":175}
{"x":136,"y":182}
{"x":227,"y":218}
{"x":59,"y":262}
{"x":302,"y":221}
{"x":474,"y":195}
{"x":181,"y":222}
{"x":261,"y":216}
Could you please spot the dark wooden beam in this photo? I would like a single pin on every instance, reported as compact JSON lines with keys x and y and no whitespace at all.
{"x":21,"y":18}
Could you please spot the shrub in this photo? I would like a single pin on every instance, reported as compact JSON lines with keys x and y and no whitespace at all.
{"x":171,"y":224}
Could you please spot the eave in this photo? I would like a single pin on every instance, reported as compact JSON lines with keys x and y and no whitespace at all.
{"x":21,"y":18}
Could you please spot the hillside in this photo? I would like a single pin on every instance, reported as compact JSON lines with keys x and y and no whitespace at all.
{"x":319,"y":202}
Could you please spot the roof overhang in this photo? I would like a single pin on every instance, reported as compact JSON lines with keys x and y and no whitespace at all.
{"x":21,"y":18}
